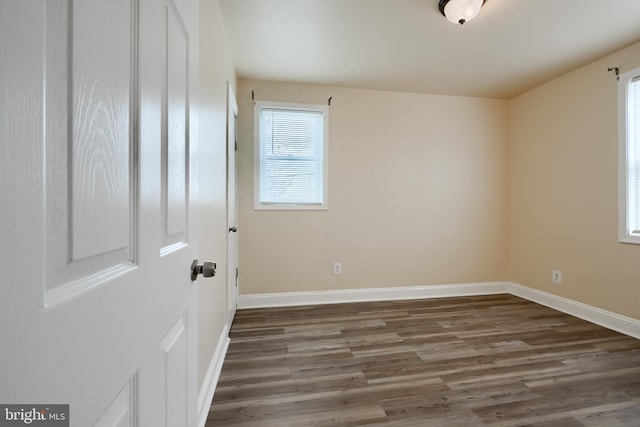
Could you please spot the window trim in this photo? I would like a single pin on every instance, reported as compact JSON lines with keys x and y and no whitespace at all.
{"x":624,"y":234}
{"x":257,"y":161}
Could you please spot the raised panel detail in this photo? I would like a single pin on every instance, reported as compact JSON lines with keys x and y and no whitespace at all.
{"x":177,"y":125}
{"x":90,"y":119}
{"x":122,"y":410}
{"x":100,"y":136}
{"x":174,"y":346}
{"x":175,"y":162}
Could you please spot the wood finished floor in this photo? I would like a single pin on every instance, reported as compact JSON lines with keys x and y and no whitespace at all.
{"x":474,"y":361}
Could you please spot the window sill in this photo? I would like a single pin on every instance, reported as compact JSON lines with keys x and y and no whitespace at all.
{"x":289,"y":207}
{"x":634,"y":240}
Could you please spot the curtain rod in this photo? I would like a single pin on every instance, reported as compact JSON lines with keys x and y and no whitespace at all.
{"x":253,"y":97}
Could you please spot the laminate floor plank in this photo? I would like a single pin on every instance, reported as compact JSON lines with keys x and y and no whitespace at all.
{"x":495,"y":360}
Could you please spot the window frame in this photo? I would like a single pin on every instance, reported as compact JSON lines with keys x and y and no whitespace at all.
{"x":257,"y":159}
{"x":625,"y":150}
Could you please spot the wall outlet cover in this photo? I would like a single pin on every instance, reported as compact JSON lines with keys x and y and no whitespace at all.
{"x":337,"y":268}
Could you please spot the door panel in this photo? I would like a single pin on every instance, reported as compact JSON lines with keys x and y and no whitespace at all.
{"x":90,"y":145}
{"x":122,"y":411}
{"x":95,"y":292}
{"x":174,"y":346}
{"x":100,"y":134}
{"x":175,"y":128}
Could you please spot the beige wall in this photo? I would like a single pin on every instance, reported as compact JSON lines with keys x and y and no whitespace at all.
{"x":417,"y":194}
{"x":563,"y":189}
{"x":215,"y":70}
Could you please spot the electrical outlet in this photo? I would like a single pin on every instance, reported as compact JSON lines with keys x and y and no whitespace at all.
{"x":556,"y":276}
{"x":337,"y":268}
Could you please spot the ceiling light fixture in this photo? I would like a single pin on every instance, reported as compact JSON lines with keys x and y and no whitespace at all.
{"x":460,"y":11}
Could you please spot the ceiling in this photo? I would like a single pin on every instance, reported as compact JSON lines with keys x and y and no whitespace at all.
{"x":408,"y":46}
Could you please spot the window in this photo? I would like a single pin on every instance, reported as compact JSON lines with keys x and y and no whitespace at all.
{"x":291,"y":146}
{"x":629,"y":157}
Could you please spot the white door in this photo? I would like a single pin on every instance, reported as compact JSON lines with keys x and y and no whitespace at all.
{"x":97,"y":308}
{"x":232,"y":205}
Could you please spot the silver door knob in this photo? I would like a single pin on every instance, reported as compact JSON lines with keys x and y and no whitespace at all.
{"x":207,"y":269}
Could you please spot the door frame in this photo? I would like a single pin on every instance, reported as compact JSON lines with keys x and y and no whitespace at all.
{"x":232,"y":205}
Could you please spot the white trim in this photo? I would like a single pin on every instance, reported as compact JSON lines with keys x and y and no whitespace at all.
{"x":626,"y":233}
{"x":369,"y":294}
{"x":607,"y":319}
{"x":205,"y":397}
{"x":257,"y":157}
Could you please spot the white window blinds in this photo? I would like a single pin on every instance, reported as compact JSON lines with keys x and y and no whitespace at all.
{"x":291,"y":155}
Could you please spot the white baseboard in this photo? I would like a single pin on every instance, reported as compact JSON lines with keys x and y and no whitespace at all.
{"x":610,"y":320}
{"x":607,"y":319}
{"x":289,"y":299}
{"x":205,"y":397}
